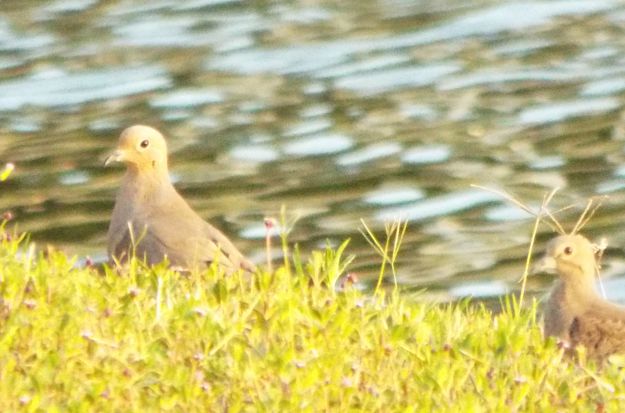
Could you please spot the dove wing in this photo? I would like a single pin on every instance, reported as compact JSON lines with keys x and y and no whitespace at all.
{"x":600,"y":335}
{"x":173,"y":228}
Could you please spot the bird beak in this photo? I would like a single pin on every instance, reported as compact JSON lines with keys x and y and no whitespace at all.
{"x":117,"y":156}
{"x":546,"y":265}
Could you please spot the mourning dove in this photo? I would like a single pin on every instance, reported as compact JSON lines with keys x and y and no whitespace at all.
{"x":575,"y":312}
{"x":151,"y":215}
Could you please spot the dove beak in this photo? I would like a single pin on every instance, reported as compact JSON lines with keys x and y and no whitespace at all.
{"x":546,"y":265}
{"x":117,"y":156}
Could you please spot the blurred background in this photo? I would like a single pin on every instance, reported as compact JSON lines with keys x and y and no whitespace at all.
{"x":338,"y":110}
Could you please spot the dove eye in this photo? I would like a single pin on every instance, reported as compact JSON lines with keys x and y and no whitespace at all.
{"x":144,"y":143}
{"x":568,"y":250}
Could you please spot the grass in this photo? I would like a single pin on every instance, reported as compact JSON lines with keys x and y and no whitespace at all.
{"x":302,"y":338}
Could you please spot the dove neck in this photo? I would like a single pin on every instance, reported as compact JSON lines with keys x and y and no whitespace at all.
{"x":142,"y":184}
{"x":579,"y":286}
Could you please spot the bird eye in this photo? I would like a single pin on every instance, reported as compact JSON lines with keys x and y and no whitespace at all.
{"x":568,"y":250}
{"x":144,"y":143}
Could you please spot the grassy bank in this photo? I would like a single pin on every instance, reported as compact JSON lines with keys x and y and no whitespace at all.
{"x":154,"y":340}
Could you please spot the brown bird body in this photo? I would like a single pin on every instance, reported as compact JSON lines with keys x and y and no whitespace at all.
{"x":151,"y":219}
{"x":575,"y":312}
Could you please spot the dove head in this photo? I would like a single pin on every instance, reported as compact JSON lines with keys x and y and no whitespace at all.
{"x":572,"y":257}
{"x":143,"y":149}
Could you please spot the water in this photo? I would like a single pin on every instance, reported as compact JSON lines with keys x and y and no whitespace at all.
{"x":374,"y":110}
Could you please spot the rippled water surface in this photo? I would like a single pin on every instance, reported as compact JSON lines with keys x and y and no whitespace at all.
{"x":338,"y":110}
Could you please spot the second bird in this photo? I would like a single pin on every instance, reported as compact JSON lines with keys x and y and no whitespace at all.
{"x":575,"y":312}
{"x":153,"y":220}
